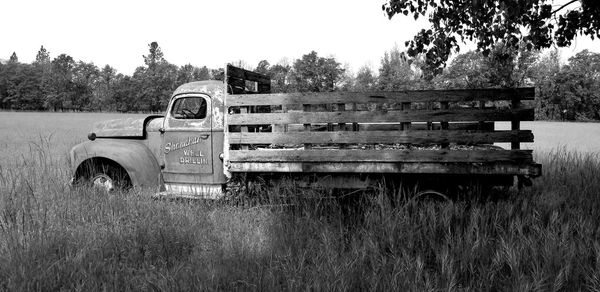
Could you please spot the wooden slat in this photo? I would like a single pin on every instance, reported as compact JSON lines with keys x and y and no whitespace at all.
{"x":473,"y":156}
{"x":523,"y":114}
{"x":240,"y":73}
{"x":384,"y":137}
{"x":488,"y":126}
{"x":527,"y":93}
{"x":499,"y":168}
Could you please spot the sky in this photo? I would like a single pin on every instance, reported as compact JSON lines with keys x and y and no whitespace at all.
{"x":209,"y":33}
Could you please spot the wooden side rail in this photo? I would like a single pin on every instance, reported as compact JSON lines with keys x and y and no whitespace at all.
{"x":385,"y":137}
{"x":522,"y":114}
{"x":427,"y":131}
{"x":398,"y":97}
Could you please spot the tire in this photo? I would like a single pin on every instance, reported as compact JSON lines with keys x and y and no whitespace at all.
{"x":106,"y":177}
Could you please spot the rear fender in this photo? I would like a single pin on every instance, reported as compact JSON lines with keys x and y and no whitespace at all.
{"x":134,"y":156}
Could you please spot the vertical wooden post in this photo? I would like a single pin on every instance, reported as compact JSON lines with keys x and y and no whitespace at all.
{"x":329,"y":108}
{"x":355,"y":127}
{"x":429,"y":106}
{"x":342,"y":126}
{"x":285,"y":110}
{"x":443,"y":124}
{"x":307,"y":108}
{"x":404,"y":126}
{"x":515,"y":124}
{"x":342,"y":108}
{"x":244,"y":110}
{"x":481,"y":125}
{"x":281,"y":127}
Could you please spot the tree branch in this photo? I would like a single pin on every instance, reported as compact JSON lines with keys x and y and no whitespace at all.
{"x":567,"y":4}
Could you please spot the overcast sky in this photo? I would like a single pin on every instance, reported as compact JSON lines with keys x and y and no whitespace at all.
{"x":207,"y":32}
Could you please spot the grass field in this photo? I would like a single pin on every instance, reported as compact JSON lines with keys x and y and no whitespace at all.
{"x":53,"y":237}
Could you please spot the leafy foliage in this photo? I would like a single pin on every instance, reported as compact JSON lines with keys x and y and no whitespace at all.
{"x":396,"y":72}
{"x":365,"y":79}
{"x":513,"y":23}
{"x":316,"y":74}
{"x":62,"y":84}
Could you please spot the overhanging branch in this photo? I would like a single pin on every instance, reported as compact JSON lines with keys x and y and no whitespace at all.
{"x":567,"y":4}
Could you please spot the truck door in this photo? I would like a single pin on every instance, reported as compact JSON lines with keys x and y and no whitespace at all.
{"x":187,"y":140}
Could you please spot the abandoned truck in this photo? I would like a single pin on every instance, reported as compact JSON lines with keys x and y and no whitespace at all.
{"x":213,"y":129}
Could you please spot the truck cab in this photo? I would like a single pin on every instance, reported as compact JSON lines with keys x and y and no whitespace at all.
{"x":178,"y":153}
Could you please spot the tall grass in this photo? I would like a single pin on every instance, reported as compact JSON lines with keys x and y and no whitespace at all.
{"x":53,"y":237}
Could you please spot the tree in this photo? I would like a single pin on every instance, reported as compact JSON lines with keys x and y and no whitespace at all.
{"x":185,"y":74}
{"x":155,"y":56}
{"x":62,"y":90}
{"x":532,"y":23}
{"x":263,"y":67}
{"x":201,"y":73}
{"x":365,"y":80}
{"x":579,"y":87}
{"x":13,"y":58}
{"x":42,"y":57}
{"x":27,"y":93}
{"x":217,"y":74}
{"x":467,"y":70}
{"x":395,"y":72}
{"x":125,"y":92}
{"x":85,"y":81}
{"x":316,"y":74}
{"x":280,"y":77}
{"x":158,"y":80}
{"x":104,"y":89}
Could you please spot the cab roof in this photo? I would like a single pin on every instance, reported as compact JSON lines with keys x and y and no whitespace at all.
{"x":198,"y":87}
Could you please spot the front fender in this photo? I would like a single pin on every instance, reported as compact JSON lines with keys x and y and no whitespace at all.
{"x":134,"y":156}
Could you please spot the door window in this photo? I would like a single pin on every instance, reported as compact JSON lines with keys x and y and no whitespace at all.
{"x":189,"y":108}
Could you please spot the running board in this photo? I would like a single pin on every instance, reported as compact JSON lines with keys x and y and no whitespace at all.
{"x":191,"y":191}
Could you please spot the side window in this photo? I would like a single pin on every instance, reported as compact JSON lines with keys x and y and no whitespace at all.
{"x":189,"y":108}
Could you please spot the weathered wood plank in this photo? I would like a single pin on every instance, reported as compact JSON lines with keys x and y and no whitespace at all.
{"x":501,"y":168}
{"x":446,"y":156}
{"x":384,"y":137}
{"x":488,"y":126}
{"x":240,"y":73}
{"x":454,"y":95}
{"x":522,"y":114}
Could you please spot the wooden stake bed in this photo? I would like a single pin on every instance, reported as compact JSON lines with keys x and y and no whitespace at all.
{"x":421,"y":132}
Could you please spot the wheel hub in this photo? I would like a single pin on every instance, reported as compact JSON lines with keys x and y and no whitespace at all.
{"x":104,"y":182}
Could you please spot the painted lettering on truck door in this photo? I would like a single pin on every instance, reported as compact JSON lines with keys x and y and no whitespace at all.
{"x":187,"y":139}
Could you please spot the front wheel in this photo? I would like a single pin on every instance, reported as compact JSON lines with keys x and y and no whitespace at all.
{"x":105,"y":177}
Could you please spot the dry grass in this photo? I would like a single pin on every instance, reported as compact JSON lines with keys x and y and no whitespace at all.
{"x":53,"y":237}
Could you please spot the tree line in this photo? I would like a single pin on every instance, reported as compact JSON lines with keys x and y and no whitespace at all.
{"x":564,"y":91}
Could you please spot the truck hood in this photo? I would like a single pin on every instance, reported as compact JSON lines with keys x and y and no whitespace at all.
{"x":130,"y":127}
